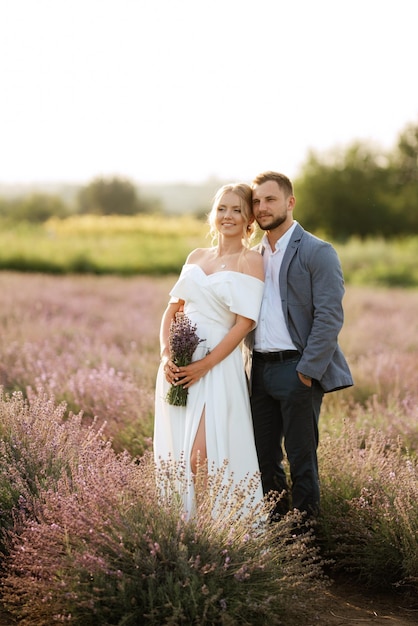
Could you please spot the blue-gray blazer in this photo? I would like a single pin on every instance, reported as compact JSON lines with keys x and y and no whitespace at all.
{"x":312,"y":289}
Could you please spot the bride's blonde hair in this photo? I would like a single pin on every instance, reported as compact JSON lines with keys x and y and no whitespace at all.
{"x":243,"y":191}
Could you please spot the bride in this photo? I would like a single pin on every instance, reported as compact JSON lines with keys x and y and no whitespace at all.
{"x":219,"y":290}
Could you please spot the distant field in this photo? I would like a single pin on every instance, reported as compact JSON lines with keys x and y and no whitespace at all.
{"x":159,"y":244}
{"x":102,"y":245}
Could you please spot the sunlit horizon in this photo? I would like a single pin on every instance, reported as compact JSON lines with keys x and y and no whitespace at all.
{"x":161,"y":92}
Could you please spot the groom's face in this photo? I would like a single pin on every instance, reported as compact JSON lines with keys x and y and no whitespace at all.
{"x":271,"y":206}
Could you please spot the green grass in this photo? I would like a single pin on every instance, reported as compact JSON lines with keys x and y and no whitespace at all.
{"x":159,"y":244}
{"x":108,"y":245}
{"x":379,"y":262}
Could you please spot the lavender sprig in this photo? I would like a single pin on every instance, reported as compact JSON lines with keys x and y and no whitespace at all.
{"x":183,"y":341}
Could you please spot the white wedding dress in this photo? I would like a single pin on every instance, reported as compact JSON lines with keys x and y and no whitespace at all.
{"x":211,"y":303}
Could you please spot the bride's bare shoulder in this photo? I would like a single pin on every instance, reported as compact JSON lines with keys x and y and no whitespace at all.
{"x":197,"y":255}
{"x":253,"y":264}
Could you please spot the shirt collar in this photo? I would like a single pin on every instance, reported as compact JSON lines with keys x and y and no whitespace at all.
{"x":282,"y":242}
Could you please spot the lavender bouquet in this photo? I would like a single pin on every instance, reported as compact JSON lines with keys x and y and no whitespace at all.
{"x":183,"y":341}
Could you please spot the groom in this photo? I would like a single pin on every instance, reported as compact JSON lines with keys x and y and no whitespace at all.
{"x":293,"y":356}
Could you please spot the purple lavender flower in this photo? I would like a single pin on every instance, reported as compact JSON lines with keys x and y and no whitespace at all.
{"x":183,"y":341}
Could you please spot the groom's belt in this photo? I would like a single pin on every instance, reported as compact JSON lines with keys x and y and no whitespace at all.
{"x":282,"y":355}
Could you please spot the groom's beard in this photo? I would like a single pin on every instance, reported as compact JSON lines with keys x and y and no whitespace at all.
{"x":274,"y":224}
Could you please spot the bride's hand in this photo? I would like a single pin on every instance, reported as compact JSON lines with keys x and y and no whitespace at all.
{"x":170,"y":370}
{"x":191,"y":374}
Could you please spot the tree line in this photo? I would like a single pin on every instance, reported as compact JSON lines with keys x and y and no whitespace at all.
{"x":360,"y":191}
{"x":102,"y":196}
{"x":355,"y":191}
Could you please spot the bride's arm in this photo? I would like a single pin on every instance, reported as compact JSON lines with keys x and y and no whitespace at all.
{"x":190,"y":374}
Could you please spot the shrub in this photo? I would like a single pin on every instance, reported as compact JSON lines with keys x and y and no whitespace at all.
{"x":33,"y":208}
{"x":102,"y":539}
{"x":93,"y":342}
{"x":36,"y":447}
{"x":369,"y":514}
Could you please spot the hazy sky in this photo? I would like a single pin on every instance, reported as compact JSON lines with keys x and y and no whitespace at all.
{"x":184,"y":90}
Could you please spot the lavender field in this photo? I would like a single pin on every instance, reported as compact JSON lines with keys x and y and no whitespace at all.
{"x":78,"y":359}
{"x":93,"y":342}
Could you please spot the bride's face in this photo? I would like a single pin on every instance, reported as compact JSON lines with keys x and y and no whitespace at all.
{"x":229,"y":219}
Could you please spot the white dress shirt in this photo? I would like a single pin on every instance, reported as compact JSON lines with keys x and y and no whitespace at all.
{"x":271,"y":334}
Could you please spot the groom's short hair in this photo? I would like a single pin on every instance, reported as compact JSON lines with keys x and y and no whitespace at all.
{"x":283,"y":181}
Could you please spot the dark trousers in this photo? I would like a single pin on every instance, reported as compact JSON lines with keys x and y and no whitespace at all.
{"x":286,"y":412}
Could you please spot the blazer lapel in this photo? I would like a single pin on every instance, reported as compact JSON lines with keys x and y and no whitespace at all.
{"x":288,"y":256}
